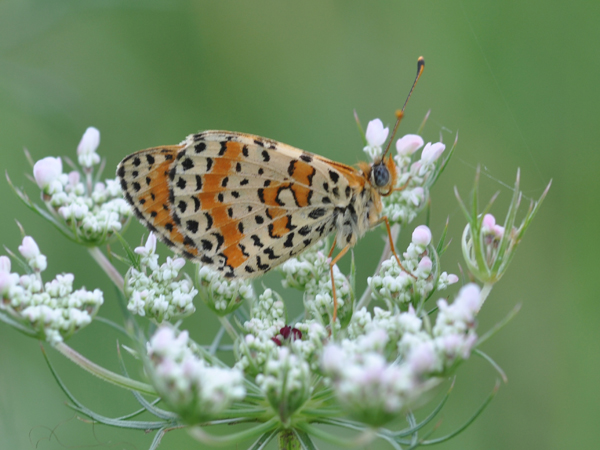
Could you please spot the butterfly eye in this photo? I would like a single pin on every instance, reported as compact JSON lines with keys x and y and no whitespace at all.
{"x":381,"y":175}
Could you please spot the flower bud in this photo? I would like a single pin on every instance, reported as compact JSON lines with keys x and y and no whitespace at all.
{"x":86,"y":150}
{"x":421,"y":236}
{"x":376,"y":134}
{"x":409,"y":144}
{"x":47,"y":170}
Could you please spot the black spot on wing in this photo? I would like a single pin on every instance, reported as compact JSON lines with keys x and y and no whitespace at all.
{"x":317,"y":212}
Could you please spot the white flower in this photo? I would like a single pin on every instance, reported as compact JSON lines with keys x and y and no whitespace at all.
{"x":376,"y":134}
{"x":86,"y":150}
{"x":4,"y":264}
{"x":31,"y":252}
{"x":187,"y":383}
{"x":489,"y":227}
{"x":409,"y":144}
{"x":149,"y":248}
{"x":46,"y":170}
{"x":424,"y":267}
{"x":421,"y":235}
{"x":432,"y":152}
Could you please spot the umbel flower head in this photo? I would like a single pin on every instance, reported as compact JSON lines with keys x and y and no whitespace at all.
{"x":50,"y":311}
{"x":157,"y":291}
{"x":82,"y":207}
{"x":186,"y":382}
{"x":488,"y":248}
{"x":275,"y":373}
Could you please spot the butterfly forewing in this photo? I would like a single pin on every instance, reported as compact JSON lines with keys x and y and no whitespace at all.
{"x":237,"y":202}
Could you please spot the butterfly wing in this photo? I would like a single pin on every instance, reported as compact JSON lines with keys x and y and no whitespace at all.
{"x":239,"y":203}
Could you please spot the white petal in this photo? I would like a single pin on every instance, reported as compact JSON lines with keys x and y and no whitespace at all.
{"x":376,"y":134}
{"x":89,"y":142}
{"x":409,"y":144}
{"x":46,"y":170}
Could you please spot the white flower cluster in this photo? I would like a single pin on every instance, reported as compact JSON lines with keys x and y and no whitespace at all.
{"x":267,"y":318}
{"x":285,"y":381}
{"x":195,"y":390}
{"x":310,"y":272}
{"x":93,"y":213}
{"x":267,"y":332}
{"x":52,"y":309}
{"x":396,"y":286}
{"x":403,"y":206}
{"x":156,"y":291}
{"x":220,"y":294}
{"x":390,"y":359}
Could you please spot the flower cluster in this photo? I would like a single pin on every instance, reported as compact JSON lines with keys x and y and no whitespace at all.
{"x":285,"y":381}
{"x":51,"y":310}
{"x":91,"y":210}
{"x":222,"y":295}
{"x":388,"y":360}
{"x":397,"y":287}
{"x":310,"y":273}
{"x":414,"y":177}
{"x":186,"y":382}
{"x":373,"y":364}
{"x":157,"y":292}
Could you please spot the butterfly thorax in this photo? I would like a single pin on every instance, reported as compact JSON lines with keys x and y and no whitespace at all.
{"x":363,"y":209}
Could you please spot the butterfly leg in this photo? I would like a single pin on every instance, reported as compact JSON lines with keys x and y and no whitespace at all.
{"x":332,"y":247}
{"x":385,"y":220}
{"x":331,"y":264}
{"x":404,"y":186}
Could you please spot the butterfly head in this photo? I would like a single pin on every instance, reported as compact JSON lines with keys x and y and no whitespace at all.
{"x":383,"y":175}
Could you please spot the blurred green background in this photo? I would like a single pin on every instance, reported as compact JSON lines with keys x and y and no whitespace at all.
{"x":518,"y":79}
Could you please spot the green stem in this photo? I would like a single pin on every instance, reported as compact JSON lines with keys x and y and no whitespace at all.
{"x":487,"y":288}
{"x":103,"y":373}
{"x":107,"y":266}
{"x":288,"y":440}
{"x":229,"y":328}
{"x":233,"y":438}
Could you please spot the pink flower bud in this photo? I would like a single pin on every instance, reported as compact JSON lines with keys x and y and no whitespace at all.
{"x":452,"y":278}
{"x":29,"y":249}
{"x":425,"y":264}
{"x":47,"y":170}
{"x":376,"y":134}
{"x":421,"y":235}
{"x":89,"y":142}
{"x":5,"y":282}
{"x":489,"y":226}
{"x":74,"y":178}
{"x":432,"y":152}
{"x":4,"y":264}
{"x":409,"y":144}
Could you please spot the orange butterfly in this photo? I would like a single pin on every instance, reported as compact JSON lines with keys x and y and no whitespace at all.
{"x":243,"y":204}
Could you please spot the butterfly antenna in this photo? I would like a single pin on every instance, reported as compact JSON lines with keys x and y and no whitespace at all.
{"x":400,"y":113}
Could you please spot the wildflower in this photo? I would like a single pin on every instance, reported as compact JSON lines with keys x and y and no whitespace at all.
{"x":285,"y":382}
{"x":155,"y":291}
{"x":376,"y":135}
{"x":86,"y":150}
{"x":222,"y":295}
{"x":46,"y":171}
{"x":52,"y":311}
{"x":487,"y":247}
{"x":31,"y":252}
{"x":194,"y":390}
{"x":408,"y":144}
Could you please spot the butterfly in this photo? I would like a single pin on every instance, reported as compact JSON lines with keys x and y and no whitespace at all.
{"x":243,"y":204}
